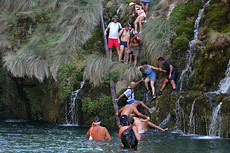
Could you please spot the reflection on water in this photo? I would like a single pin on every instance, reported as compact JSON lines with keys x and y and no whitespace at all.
{"x":37,"y":137}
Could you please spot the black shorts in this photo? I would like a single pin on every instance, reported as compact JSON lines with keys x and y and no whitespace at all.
{"x":173,"y":76}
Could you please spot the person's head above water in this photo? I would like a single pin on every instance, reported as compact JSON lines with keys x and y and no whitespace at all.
{"x":97,"y":120}
{"x":161,"y":60}
{"x":132,"y":85}
{"x":115,"y":18}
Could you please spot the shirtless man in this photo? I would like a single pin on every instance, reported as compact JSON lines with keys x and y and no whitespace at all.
{"x":142,"y":125}
{"x":97,"y":132}
{"x":123,"y":40}
{"x":125,"y":111}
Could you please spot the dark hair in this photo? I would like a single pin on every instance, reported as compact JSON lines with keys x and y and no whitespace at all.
{"x":131,"y":120}
{"x":127,"y":25}
{"x":132,"y":25}
{"x":161,"y":59}
{"x":97,"y":119}
{"x":144,"y":63}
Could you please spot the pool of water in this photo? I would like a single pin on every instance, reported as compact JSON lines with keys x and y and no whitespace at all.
{"x":37,"y":137}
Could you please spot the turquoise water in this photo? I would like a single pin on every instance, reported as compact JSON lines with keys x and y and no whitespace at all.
{"x":38,"y":137}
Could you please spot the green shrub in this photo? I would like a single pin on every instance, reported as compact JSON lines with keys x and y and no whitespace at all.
{"x":180,"y":44}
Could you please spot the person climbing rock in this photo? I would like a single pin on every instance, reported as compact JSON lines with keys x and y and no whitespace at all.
{"x":145,"y":4}
{"x":130,"y":109}
{"x":97,"y":132}
{"x":142,"y":125}
{"x":129,"y":95}
{"x":114,"y":28}
{"x":150,"y":77}
{"x":171,"y":71}
{"x":123,"y":40}
{"x":128,"y":134}
{"x":134,"y":48}
{"x":141,"y":15}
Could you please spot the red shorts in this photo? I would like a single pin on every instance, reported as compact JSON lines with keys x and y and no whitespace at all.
{"x":113,"y":42}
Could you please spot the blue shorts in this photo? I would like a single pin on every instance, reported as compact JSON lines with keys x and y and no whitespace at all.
{"x":173,"y":76}
{"x":146,"y":3}
{"x":131,"y":101}
{"x":123,"y":43}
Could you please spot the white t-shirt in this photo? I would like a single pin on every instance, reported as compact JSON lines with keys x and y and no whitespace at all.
{"x":129,"y":93}
{"x":113,"y":29}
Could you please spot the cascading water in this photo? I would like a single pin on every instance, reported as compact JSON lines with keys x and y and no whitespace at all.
{"x":165,"y":121}
{"x":192,"y":119}
{"x":71,"y":112}
{"x":224,"y":85}
{"x":215,"y":126}
{"x":191,"y":47}
{"x":178,"y":113}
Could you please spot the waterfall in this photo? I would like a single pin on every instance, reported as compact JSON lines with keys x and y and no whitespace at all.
{"x":224,"y":85}
{"x":192,"y":119}
{"x":191,"y":47}
{"x":215,"y":126}
{"x":165,"y":121}
{"x":178,"y":113}
{"x":71,"y":109}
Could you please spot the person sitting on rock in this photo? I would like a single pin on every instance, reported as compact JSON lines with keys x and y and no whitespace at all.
{"x":97,"y":132}
{"x":172,"y":75}
{"x":150,"y":76}
{"x":141,"y":15}
{"x":129,"y":94}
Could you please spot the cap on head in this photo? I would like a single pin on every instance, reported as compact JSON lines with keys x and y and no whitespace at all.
{"x":97,"y":120}
{"x":115,"y":17}
{"x":131,"y":4}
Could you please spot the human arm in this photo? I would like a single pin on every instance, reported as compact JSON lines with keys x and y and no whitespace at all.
{"x":155,"y":68}
{"x":155,"y":126}
{"x":128,"y":45}
{"x":138,"y":6}
{"x":170,"y":71}
{"x":140,"y":115}
{"x":120,"y":131}
{"x":119,"y":35}
{"x":106,"y":30}
{"x":88,"y":133}
{"x":138,"y":136}
{"x":139,"y":81}
{"x":119,"y":97}
{"x":140,"y":67}
{"x":107,"y":135}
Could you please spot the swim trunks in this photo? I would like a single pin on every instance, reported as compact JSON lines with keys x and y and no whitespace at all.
{"x":123,"y":43}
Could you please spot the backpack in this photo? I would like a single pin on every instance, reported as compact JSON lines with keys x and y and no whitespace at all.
{"x":128,"y":138}
{"x":125,"y":98}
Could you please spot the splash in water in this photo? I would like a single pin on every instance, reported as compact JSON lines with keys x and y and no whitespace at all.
{"x":215,"y":126}
{"x":191,"y":47}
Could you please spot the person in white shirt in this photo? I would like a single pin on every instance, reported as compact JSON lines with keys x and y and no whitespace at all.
{"x":113,"y":28}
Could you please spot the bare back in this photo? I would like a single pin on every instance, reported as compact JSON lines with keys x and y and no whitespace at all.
{"x":140,"y":124}
{"x":99,"y":133}
{"x":128,"y":109}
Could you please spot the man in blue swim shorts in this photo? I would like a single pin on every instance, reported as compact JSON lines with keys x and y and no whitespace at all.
{"x":123,"y":40}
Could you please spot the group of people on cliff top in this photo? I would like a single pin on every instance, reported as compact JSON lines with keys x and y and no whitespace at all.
{"x":133,"y":123}
{"x":127,"y":40}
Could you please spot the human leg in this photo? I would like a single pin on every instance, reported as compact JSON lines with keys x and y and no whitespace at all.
{"x":135,"y":24}
{"x":146,"y":9}
{"x":135,"y":61}
{"x":150,"y":124}
{"x":126,"y":58}
{"x":122,"y":47}
{"x":144,"y":106}
{"x":152,"y":86}
{"x":164,"y":84}
{"x":147,"y":83}
{"x":141,"y":18}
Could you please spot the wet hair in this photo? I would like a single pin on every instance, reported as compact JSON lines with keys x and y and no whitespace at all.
{"x":144,"y":63}
{"x":97,"y":119}
{"x":161,"y":59}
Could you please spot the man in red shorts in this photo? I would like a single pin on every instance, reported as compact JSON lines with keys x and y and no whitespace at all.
{"x":113,"y":28}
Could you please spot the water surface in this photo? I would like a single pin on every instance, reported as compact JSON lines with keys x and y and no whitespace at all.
{"x":37,"y":137}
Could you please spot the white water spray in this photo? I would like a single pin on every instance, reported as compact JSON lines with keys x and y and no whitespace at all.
{"x":178,"y":113}
{"x":192,"y":120}
{"x":224,"y":85}
{"x":215,"y":126}
{"x":72,"y":109}
{"x":191,"y":47}
{"x":165,"y":121}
